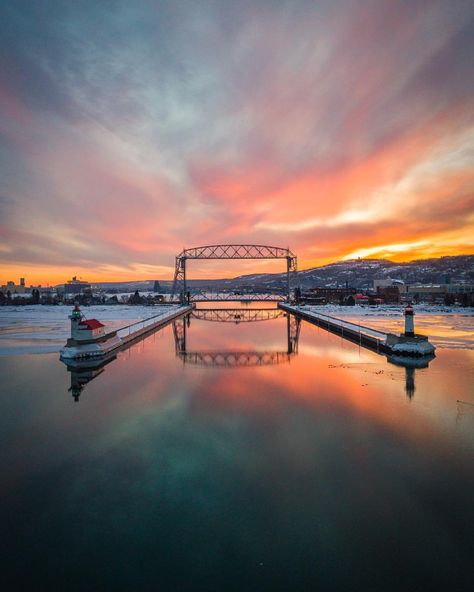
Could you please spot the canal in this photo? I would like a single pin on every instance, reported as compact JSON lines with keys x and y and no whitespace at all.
{"x":223,"y":454}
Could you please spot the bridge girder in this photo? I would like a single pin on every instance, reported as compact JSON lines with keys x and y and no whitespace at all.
{"x":226,"y":297}
{"x":231,"y":251}
{"x":236,"y":251}
{"x":238,"y":315}
{"x":229,"y":359}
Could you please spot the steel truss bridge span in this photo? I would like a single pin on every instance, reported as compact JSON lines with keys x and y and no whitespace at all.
{"x":237,"y":252}
{"x":231,"y":251}
{"x":226,"y":297}
{"x":229,"y":359}
{"x":235,"y":359}
{"x":237,"y":315}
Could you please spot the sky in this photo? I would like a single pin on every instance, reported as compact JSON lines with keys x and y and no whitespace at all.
{"x":129,"y":130}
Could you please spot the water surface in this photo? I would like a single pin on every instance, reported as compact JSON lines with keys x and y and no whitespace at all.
{"x":195,"y":461}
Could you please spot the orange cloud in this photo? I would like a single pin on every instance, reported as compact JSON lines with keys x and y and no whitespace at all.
{"x":336,"y":133}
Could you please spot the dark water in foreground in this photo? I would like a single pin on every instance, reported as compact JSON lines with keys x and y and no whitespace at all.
{"x":332,"y":469}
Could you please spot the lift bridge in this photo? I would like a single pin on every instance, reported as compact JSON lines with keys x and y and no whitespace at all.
{"x":233,"y":251}
{"x":237,"y":315}
{"x":235,"y":359}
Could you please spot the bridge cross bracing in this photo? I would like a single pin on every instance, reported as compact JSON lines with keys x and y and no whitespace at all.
{"x":238,"y":315}
{"x":230,"y":359}
{"x":231,"y":251}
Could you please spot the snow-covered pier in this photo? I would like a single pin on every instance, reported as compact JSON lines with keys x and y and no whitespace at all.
{"x":90,"y":340}
{"x":406,"y":344}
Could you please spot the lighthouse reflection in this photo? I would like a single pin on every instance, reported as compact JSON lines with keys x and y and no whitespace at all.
{"x":82,"y":372}
{"x":410,"y":365}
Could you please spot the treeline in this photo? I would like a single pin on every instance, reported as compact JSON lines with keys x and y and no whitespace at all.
{"x":83,"y":299}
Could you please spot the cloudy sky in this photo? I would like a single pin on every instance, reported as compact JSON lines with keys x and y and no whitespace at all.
{"x":129,"y":130}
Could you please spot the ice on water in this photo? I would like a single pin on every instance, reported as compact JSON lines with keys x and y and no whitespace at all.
{"x":41,"y":329}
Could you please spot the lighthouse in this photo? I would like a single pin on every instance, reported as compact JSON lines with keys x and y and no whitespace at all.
{"x":85,"y":329}
{"x":88,"y":338}
{"x":409,"y":321}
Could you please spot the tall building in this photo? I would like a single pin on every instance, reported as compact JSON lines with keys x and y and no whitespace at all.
{"x":75,"y":286}
{"x":14,"y":288}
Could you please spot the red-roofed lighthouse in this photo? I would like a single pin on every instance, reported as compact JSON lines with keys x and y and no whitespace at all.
{"x":85,"y":329}
{"x":88,"y":338}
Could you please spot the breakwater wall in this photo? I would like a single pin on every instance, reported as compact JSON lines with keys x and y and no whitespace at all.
{"x":370,"y":338}
{"x":141,"y":329}
{"x":104,"y":344}
{"x":411,"y":345}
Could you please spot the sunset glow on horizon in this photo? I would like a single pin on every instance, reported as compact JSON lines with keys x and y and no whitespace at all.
{"x":132,"y":130}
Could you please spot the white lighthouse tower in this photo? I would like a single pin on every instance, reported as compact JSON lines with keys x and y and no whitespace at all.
{"x":409,"y":321}
{"x":76,"y":317}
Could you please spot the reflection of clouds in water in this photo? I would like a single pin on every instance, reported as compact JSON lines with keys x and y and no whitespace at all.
{"x":320,"y":464}
{"x":445,"y":330}
{"x":451,"y":344}
{"x":192,"y":468}
{"x":347,"y":355}
{"x":465,"y":418}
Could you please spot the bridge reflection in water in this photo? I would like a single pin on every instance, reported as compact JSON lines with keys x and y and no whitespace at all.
{"x":84,"y":371}
{"x":236,"y":359}
{"x":238,"y":315}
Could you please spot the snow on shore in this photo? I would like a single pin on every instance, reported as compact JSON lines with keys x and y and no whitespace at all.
{"x":41,"y":329}
{"x":446,"y":326}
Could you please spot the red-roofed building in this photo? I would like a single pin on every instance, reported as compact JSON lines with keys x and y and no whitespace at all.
{"x":91,"y":323}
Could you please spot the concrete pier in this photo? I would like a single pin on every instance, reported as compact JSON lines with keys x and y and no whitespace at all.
{"x":386,"y":343}
{"x":140,"y":329}
{"x":106,"y":343}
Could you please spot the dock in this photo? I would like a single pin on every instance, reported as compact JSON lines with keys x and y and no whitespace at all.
{"x":89,"y":339}
{"x":384,"y":343}
{"x":141,"y":329}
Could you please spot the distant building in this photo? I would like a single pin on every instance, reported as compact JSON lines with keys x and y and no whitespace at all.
{"x":75,"y":286}
{"x":14,"y":288}
{"x":387,"y":283}
{"x":439,"y":293}
{"x":389,"y":294}
{"x":328,"y":295}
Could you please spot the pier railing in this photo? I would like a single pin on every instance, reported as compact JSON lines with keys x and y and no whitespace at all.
{"x":138,"y":326}
{"x":378,"y":336}
{"x":414,"y":345}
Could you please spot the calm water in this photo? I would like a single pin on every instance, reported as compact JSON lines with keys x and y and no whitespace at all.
{"x":208,"y":458}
